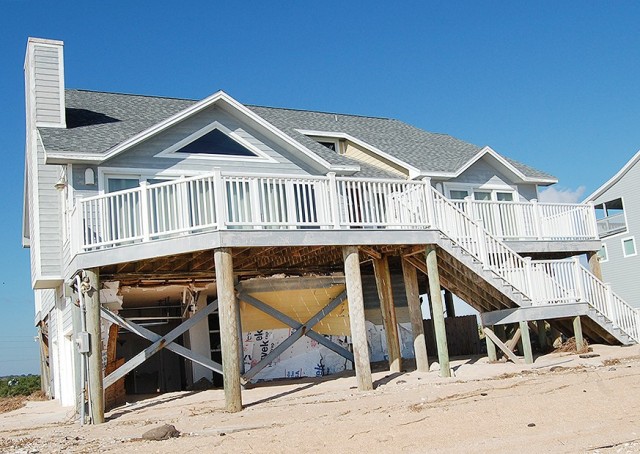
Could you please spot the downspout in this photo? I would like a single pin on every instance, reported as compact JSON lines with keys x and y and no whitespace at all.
{"x":83,"y":355}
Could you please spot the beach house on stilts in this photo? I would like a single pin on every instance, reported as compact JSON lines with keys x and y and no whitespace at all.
{"x":177,"y":240}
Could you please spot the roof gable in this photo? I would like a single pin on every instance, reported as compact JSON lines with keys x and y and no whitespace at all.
{"x":614,"y":179}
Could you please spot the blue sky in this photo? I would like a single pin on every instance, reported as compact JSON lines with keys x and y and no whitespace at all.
{"x":551,"y":84}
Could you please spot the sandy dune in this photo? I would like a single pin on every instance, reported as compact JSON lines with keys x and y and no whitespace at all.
{"x":562,"y":403}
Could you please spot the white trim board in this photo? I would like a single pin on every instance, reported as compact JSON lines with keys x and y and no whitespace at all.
{"x":614,"y":179}
{"x":172,"y":151}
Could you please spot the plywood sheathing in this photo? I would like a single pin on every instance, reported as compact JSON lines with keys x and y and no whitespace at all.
{"x":299,"y":298}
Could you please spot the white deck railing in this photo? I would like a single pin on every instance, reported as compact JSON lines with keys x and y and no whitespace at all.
{"x":560,"y":281}
{"x":533,"y":220}
{"x":228,"y":201}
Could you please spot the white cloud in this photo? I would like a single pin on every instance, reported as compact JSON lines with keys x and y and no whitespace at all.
{"x":559,"y":194}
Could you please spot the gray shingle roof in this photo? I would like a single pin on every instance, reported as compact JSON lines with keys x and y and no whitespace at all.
{"x":97,"y":121}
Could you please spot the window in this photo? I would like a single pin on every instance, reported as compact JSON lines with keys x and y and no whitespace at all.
{"x":215,"y":143}
{"x":602,"y":254}
{"x":484,"y":196}
{"x":458,"y":194}
{"x":610,"y":217}
{"x":330,"y":145}
{"x":629,"y":247}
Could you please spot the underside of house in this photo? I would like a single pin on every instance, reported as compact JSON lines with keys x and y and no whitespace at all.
{"x":178,"y":244}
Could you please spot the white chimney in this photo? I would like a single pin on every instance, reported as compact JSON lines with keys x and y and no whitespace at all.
{"x":44,"y":82}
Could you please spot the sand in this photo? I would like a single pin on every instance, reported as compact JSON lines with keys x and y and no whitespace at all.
{"x":561,"y":403}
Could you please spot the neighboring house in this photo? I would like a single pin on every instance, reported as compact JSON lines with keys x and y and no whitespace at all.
{"x":618,"y":217}
{"x":233,"y":229}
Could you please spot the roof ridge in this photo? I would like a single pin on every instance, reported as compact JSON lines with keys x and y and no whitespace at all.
{"x":322,"y":112}
{"x":138,"y":95}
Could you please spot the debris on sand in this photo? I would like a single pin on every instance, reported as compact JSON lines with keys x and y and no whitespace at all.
{"x":163,"y":432}
{"x":569,"y":346}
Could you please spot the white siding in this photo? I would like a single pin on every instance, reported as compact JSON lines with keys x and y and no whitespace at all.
{"x":47,"y":300}
{"x":49,"y":217}
{"x":44,"y":68}
{"x":623,"y":273}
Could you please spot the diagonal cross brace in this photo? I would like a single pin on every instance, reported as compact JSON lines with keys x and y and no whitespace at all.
{"x":300,"y":330}
{"x":158,"y":342}
{"x":151,"y":336}
{"x":296,"y":324}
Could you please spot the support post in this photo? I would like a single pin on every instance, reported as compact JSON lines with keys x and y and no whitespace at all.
{"x":437,"y":314}
{"x":229,"y":315}
{"x":448,"y":303}
{"x":577,"y":333}
{"x":491,"y":348}
{"x":90,"y":287}
{"x":526,"y":342}
{"x":594,"y":264}
{"x":389,"y":321}
{"x":542,"y":335}
{"x":356,"y":317}
{"x":410,"y":276}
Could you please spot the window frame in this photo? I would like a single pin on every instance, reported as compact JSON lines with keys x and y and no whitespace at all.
{"x":173,"y":150}
{"x":633,"y":241}
{"x":493,"y":189}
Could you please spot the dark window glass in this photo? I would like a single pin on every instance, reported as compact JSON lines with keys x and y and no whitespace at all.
{"x":216,"y":142}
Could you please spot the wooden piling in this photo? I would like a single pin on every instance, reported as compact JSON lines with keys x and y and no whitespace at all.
{"x":491,"y":348}
{"x":410,"y":276}
{"x":229,"y":315}
{"x":526,"y":342}
{"x":448,"y":303}
{"x":91,"y":295}
{"x":577,"y":333}
{"x":594,"y":264}
{"x":389,"y":321}
{"x":542,"y":335}
{"x":437,"y":314}
{"x":355,"y":298}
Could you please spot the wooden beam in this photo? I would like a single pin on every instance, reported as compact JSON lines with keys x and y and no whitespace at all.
{"x":437,"y":314}
{"x":300,"y":330}
{"x":91,"y":289}
{"x":389,"y":321}
{"x":526,"y":342}
{"x":410,"y":276}
{"x":229,"y":314}
{"x":356,"y":317}
{"x":153,"y":337}
{"x":448,"y":303}
{"x":511,"y":343}
{"x":594,"y":264}
{"x":542,"y":334}
{"x":489,"y":333}
{"x":371,"y":252}
{"x":577,"y":333}
{"x":491,"y":347}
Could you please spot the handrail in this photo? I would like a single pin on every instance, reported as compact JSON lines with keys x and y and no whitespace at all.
{"x":533,"y":220}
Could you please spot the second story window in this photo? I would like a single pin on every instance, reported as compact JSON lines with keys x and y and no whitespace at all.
{"x":610,"y":217}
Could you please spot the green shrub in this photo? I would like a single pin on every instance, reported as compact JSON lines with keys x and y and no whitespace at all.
{"x":19,"y":385}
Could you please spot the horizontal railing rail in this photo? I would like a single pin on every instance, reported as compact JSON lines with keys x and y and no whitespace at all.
{"x":533,"y":220}
{"x":232,"y":201}
{"x":559,"y":281}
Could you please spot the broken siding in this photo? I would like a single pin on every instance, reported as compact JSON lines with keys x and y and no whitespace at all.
{"x":47,"y":299}
{"x":144,"y":156}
